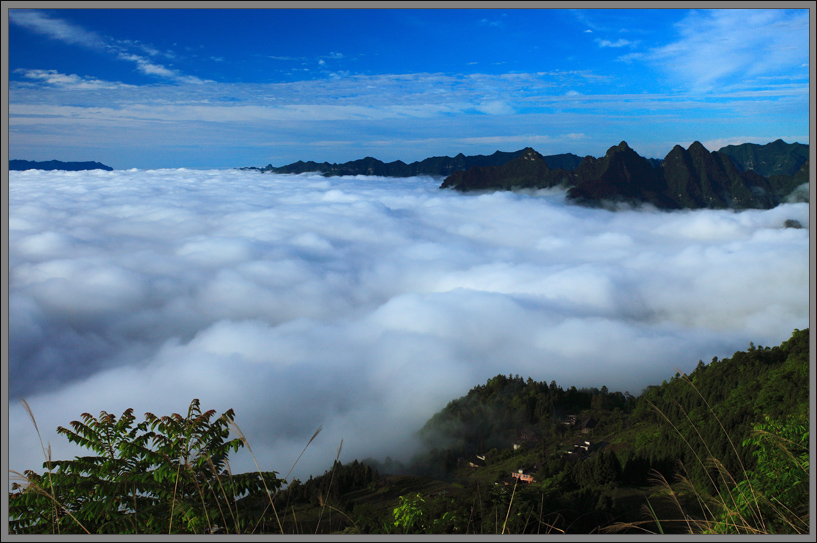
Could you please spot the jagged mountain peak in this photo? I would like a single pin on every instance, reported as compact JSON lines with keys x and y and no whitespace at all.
{"x":529,"y":153}
{"x":620,"y":149}
{"x":697,"y":147}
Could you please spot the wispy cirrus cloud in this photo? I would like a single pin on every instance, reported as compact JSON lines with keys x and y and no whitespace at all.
{"x":246,"y":113}
{"x":147,"y":67}
{"x":714,"y":46}
{"x":629,"y":57}
{"x":420,"y":114}
{"x":522,"y":139}
{"x":495,"y":23}
{"x":70,"y":81}
{"x":481,"y":92}
{"x":58,"y":29}
{"x":618,"y":43}
{"x":66,"y":32}
{"x":279,"y":57}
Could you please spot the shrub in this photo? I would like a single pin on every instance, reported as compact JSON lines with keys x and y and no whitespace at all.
{"x":166,"y":474}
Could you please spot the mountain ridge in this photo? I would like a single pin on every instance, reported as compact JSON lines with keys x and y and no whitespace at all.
{"x":756,"y":157}
{"x":691,"y":178}
{"x":436,"y":166}
{"x":22,"y":165}
{"x":736,"y":176}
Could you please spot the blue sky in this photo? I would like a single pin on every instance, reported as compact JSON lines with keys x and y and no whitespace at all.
{"x":250,"y":87}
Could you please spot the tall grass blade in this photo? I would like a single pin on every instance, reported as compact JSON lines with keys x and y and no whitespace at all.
{"x":328,"y":491}
{"x":260,"y":474}
{"x":734,"y":449}
{"x":509,"y":506}
{"x":655,"y":517}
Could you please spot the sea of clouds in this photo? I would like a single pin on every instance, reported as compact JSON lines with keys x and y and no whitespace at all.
{"x":361,"y":305}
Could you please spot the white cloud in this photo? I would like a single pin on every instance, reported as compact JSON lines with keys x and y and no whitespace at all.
{"x":57,"y":29}
{"x":630,"y":57}
{"x":497,"y":107}
{"x":150,"y":68}
{"x":361,"y":304}
{"x":496,"y":23}
{"x":286,"y":58}
{"x":521,"y":139}
{"x":70,"y":33}
{"x":246,"y":113}
{"x":70,"y":81}
{"x":722,"y":47}
{"x":618,"y":43}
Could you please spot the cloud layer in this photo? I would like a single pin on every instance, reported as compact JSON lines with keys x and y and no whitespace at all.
{"x":361,"y":304}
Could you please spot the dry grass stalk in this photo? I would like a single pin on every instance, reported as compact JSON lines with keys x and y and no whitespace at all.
{"x":345,"y":515}
{"x":173,"y":499}
{"x":201,"y":496}
{"x":223,"y":493}
{"x":311,"y":439}
{"x":328,"y":491}
{"x":734,"y":449}
{"x":269,"y":494}
{"x":226,"y":499}
{"x":509,"y":506}
{"x":47,"y":456}
{"x":39,"y":489}
{"x":318,"y":431}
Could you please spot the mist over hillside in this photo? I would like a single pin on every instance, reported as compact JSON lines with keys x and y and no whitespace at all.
{"x":362,"y":304}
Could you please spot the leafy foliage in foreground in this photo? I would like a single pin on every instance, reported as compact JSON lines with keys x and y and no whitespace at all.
{"x":166,"y":474}
{"x":773,"y":498}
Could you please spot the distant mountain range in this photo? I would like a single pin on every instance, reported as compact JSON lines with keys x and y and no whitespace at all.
{"x":438,"y":166}
{"x":775,"y":158}
{"x":20,"y":165}
{"x":690,"y":178}
{"x":737,"y":176}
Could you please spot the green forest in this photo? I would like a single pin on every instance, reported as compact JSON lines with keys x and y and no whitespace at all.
{"x":723,"y":450}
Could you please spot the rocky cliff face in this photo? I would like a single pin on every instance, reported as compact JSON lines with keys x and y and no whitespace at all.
{"x":620,"y":175}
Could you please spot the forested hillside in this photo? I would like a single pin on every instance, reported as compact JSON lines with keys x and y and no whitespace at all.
{"x":726,"y":417}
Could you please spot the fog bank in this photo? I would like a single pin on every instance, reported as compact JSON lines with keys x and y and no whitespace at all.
{"x":362,"y":305}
